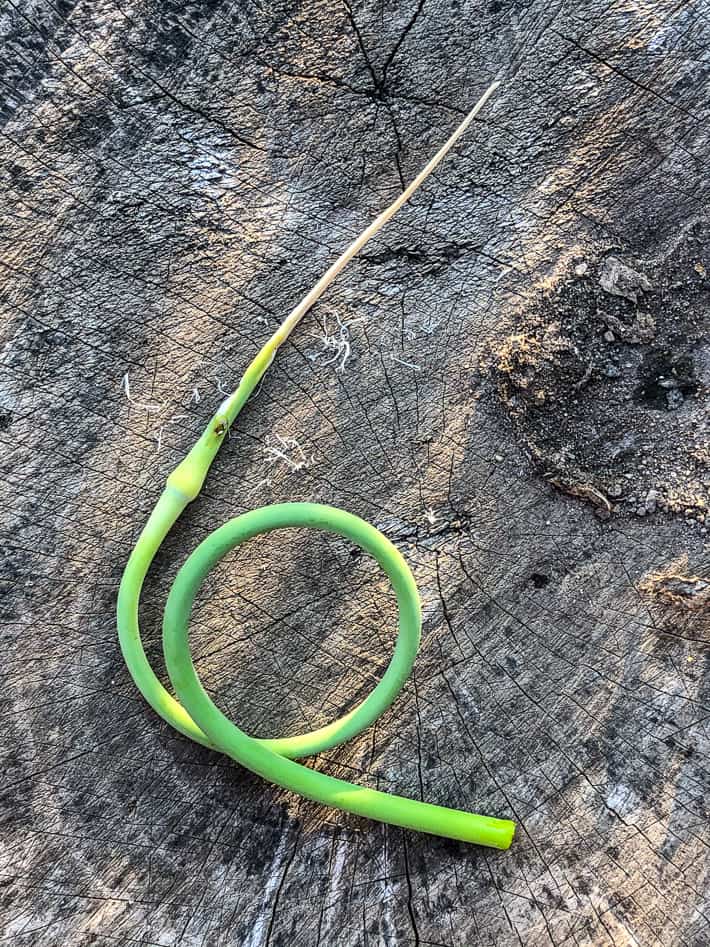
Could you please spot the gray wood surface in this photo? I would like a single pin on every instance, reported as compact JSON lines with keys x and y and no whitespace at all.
{"x":523,"y":411}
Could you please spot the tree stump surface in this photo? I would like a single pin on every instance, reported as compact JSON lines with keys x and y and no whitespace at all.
{"x":511,"y":382}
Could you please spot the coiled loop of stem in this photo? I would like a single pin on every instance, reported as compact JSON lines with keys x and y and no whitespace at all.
{"x":194,"y":713}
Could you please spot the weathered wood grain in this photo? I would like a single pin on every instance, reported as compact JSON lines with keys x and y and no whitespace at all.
{"x":174,"y":177}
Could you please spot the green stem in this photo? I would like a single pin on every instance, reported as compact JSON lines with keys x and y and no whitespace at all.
{"x":193,"y":713}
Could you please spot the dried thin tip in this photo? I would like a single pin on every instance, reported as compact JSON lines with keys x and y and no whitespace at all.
{"x":305,"y":304}
{"x":482,"y":101}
